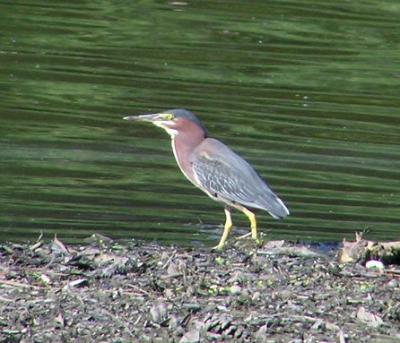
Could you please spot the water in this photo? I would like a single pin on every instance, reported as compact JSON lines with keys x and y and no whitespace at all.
{"x":307,"y":92}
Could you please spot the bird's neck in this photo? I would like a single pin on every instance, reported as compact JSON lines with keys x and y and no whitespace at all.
{"x":183,"y":144}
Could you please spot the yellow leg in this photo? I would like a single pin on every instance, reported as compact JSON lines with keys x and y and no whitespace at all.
{"x":227,"y":230}
{"x":253,"y":223}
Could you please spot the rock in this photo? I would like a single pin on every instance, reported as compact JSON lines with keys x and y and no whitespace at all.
{"x":261,"y":334}
{"x":158,"y":312}
{"x":369,"y":318}
{"x":192,"y":336}
{"x":375,"y":265}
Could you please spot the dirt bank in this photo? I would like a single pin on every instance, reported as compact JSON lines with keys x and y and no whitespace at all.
{"x":105,"y":291}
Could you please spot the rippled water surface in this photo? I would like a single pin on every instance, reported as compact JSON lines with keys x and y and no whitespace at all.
{"x":306,"y":91}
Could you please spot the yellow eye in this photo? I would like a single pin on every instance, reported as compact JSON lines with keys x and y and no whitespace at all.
{"x":169,"y":116}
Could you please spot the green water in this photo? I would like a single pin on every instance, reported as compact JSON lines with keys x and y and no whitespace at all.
{"x":306,"y":91}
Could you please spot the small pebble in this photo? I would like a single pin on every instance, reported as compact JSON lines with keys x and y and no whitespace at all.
{"x":393,"y":283}
{"x":374,"y":264}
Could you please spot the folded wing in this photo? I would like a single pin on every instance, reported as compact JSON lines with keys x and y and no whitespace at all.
{"x":225,"y":175}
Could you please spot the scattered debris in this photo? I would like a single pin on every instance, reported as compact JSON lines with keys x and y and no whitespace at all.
{"x":362,"y":250}
{"x":143,"y":292}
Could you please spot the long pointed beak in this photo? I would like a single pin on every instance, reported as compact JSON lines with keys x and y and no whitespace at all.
{"x":145,"y":117}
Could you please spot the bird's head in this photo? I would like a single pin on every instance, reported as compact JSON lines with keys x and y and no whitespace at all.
{"x":172,"y":121}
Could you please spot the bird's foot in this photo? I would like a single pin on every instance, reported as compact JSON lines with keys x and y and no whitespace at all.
{"x":259,"y":241}
{"x":218,"y":247}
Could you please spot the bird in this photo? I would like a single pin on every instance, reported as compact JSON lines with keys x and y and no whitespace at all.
{"x":217,"y":170}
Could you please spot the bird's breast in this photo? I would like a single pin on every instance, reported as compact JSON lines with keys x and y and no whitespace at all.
{"x":182,"y":156}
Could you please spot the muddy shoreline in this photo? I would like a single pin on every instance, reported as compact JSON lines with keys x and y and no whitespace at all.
{"x":107,"y":291}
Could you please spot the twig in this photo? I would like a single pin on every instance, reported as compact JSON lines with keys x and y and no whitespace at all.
{"x":169,"y":260}
{"x":138,"y":289}
{"x":17,"y":284}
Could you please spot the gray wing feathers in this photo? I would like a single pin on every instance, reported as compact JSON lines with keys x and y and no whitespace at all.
{"x":224,"y":174}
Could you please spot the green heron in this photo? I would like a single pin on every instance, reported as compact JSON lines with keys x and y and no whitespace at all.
{"x":216,"y":169}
